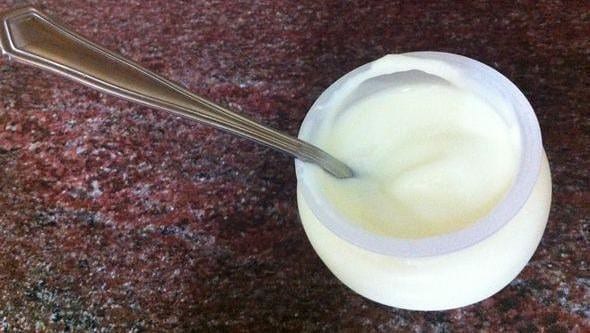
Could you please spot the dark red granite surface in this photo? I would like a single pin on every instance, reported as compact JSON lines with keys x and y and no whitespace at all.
{"x":118,"y":218}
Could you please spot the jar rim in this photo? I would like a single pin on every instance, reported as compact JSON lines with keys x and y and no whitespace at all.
{"x":486,"y":226}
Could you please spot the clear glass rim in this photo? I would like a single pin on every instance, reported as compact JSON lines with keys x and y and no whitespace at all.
{"x":502,"y":213}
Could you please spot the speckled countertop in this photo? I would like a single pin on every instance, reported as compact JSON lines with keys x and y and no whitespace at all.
{"x":116,"y":218}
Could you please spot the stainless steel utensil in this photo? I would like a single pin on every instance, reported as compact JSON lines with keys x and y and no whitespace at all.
{"x":31,"y":37}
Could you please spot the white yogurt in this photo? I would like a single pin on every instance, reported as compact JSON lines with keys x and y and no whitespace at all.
{"x":446,"y":152}
{"x":429,"y":159}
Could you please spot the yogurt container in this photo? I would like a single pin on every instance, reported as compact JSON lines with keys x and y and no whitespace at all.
{"x":452,"y":191}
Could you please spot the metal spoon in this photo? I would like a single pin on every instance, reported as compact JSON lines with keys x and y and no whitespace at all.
{"x":31,"y":37}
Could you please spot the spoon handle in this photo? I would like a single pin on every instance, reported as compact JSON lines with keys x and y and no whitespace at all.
{"x":31,"y":37}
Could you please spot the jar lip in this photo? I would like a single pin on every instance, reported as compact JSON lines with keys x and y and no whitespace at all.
{"x":502,"y":213}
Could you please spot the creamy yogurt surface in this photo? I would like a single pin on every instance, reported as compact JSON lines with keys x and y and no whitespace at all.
{"x":430,"y":156}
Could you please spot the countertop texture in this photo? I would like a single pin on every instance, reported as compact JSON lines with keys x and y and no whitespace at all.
{"x":119,"y":218}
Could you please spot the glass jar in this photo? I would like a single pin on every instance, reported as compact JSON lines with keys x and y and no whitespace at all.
{"x":448,"y":270}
